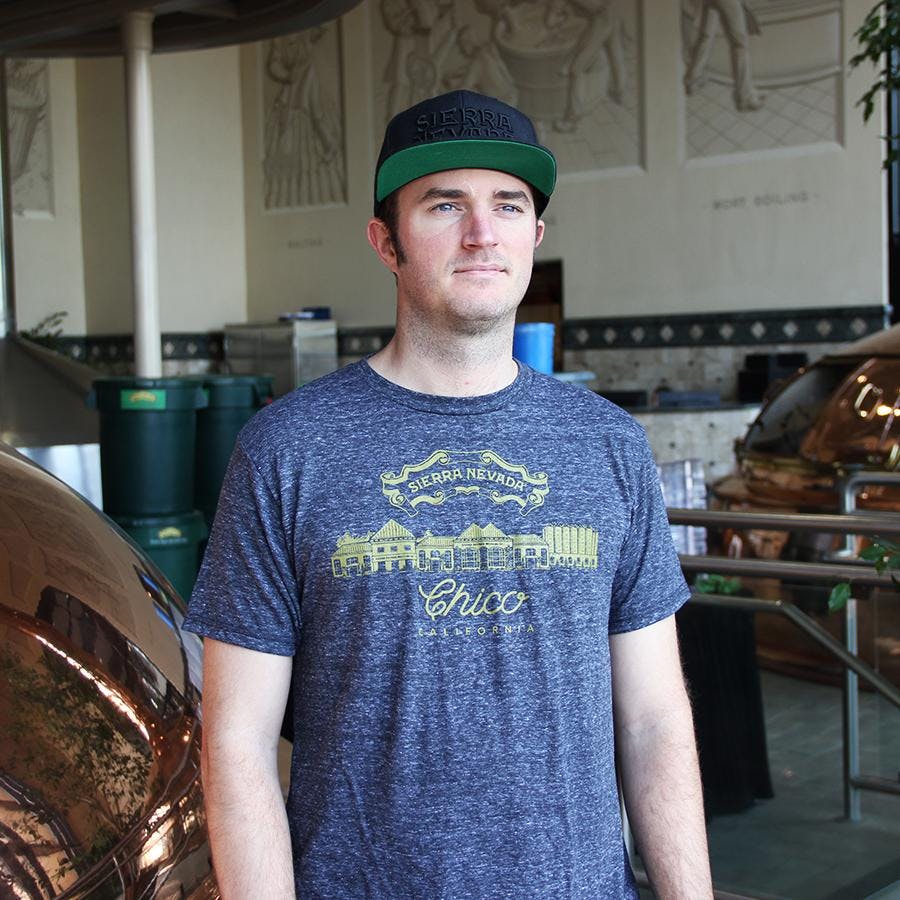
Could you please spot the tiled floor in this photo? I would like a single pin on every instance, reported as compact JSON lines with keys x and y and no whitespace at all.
{"x":790,"y":116}
{"x":797,"y":845}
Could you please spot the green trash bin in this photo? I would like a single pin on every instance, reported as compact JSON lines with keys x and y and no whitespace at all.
{"x":147,"y":434}
{"x":173,"y":543}
{"x":231,"y":401}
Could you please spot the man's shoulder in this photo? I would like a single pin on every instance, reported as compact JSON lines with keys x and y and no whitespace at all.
{"x":304,"y":410}
{"x":573,"y":400}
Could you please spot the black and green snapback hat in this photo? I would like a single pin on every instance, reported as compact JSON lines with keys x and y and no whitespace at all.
{"x":463,"y":130}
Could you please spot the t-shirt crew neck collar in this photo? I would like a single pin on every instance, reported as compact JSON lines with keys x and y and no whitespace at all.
{"x":454,"y":406}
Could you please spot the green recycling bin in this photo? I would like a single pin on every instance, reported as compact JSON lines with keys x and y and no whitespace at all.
{"x":173,"y":543}
{"x":231,"y":401}
{"x":147,"y":434}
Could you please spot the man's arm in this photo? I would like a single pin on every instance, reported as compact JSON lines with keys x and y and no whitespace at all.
{"x":244,"y":695}
{"x":657,"y":761}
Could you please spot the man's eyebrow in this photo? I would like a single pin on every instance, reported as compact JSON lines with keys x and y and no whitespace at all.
{"x":520,"y":196}
{"x":437,"y":193}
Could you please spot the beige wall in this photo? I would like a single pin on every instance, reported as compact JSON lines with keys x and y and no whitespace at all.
{"x":49,"y":274}
{"x":200,"y":192}
{"x":806,"y":229}
{"x":104,"y":195}
{"x":80,"y":258}
{"x":638,"y":239}
{"x":320,"y":256}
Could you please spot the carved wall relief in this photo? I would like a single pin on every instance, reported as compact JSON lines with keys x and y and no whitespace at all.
{"x":304,"y":159}
{"x":761,"y":74}
{"x":28,"y":104}
{"x":571,"y":65}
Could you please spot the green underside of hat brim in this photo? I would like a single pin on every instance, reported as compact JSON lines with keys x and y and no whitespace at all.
{"x":530,"y":163}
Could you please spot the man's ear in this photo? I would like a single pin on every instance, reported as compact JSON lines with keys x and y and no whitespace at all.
{"x":380,"y":239}
{"x":538,"y":233}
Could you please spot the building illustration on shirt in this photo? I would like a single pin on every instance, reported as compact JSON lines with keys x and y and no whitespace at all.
{"x":394,"y":548}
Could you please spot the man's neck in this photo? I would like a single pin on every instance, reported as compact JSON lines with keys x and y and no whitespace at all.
{"x":469,"y":366}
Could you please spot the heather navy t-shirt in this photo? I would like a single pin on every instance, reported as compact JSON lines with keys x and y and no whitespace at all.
{"x":446,"y":573}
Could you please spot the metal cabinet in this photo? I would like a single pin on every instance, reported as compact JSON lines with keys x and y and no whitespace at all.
{"x":294,"y":352}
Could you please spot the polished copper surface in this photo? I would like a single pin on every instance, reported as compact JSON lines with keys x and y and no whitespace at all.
{"x":99,"y":751}
{"x":842,"y":411}
{"x":840,"y":415}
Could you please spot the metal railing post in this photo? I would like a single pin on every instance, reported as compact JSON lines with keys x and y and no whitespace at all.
{"x":848,"y":504}
{"x":852,"y":794}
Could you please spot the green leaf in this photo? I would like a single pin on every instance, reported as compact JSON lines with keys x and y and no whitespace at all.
{"x":877,"y":37}
{"x":872,"y":553}
{"x":715,"y":583}
{"x":839,"y":596}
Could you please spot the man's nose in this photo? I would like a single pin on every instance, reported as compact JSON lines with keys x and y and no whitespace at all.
{"x":479,"y":229}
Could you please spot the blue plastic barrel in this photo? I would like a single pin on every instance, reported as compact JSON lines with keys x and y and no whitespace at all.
{"x":533,"y":345}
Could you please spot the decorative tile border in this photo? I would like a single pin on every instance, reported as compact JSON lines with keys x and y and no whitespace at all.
{"x":111,"y":349}
{"x":362,"y":341}
{"x":792,"y":326}
{"x":119,"y":348}
{"x":834,"y":324}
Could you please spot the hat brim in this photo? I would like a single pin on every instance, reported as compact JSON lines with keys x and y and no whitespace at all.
{"x":529,"y":162}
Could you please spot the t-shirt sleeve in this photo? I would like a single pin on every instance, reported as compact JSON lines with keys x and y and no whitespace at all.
{"x":247,"y":591}
{"x":648,"y":585}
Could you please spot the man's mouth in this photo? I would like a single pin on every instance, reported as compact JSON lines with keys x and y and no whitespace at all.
{"x":479,"y":270}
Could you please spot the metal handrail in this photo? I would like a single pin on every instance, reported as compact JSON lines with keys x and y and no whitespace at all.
{"x":777,"y":568}
{"x":809,"y":625}
{"x":849,"y":523}
{"x":868,"y":523}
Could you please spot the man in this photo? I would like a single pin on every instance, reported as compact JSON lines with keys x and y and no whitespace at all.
{"x":467,"y":566}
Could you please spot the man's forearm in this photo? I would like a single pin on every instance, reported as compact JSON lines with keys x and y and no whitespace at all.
{"x":664,"y":799}
{"x":248,"y":827}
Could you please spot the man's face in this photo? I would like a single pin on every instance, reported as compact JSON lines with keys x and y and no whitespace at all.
{"x":468,"y":239}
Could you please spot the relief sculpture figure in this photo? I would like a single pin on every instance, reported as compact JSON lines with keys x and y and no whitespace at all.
{"x":424,"y":32}
{"x":26,"y":97}
{"x":571,"y":64}
{"x":738,"y":22}
{"x":600,"y":48}
{"x":483,"y":68}
{"x":304,"y":161}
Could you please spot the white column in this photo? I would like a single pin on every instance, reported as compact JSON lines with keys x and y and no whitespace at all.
{"x":137,"y":41}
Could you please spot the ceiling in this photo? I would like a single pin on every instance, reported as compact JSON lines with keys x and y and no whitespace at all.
{"x":91,"y":27}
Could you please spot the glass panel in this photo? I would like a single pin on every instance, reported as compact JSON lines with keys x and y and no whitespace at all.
{"x":797,"y":843}
{"x":768,"y":704}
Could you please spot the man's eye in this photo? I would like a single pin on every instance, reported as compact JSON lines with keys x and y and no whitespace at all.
{"x":511,"y":208}
{"x":444,"y":207}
